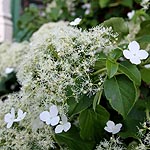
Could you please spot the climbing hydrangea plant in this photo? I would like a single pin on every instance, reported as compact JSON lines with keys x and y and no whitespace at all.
{"x":80,"y":89}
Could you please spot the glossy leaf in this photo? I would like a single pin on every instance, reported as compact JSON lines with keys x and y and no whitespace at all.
{"x":92,"y":122}
{"x":131,"y":72}
{"x":112,"y":68}
{"x":121,"y":93}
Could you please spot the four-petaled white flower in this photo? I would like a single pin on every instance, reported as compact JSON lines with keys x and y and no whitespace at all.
{"x":51,"y":118}
{"x":10,"y":117}
{"x":21,"y":115}
{"x":9,"y":70}
{"x":134,"y":54}
{"x":131,"y":14}
{"x":112,"y":128}
{"x":75,"y":22}
{"x":63,"y":126}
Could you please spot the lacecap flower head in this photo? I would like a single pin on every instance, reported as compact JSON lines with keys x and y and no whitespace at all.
{"x":134,"y":54}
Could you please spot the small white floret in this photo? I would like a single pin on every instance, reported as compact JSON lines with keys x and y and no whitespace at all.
{"x":131,"y":14}
{"x":64,"y":126}
{"x":9,"y":70}
{"x":112,"y":128}
{"x":134,"y":54}
{"x":51,"y":117}
{"x":10,"y":117}
{"x":75,"y":22}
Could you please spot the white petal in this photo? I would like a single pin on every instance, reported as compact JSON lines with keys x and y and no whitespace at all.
{"x":13,"y":112}
{"x":8,"y":118}
{"x":133,"y":46}
{"x":75,"y":22}
{"x":21,"y":116}
{"x":135,"y":60}
{"x":53,"y":111}
{"x":9,"y":124}
{"x":67,"y":126}
{"x":64,"y":119}
{"x":131,"y":14}
{"x":59,"y":129}
{"x":117,"y":128}
{"x":143,"y":54}
{"x":127,"y":54}
{"x":110,"y":124}
{"x":48,"y":121}
{"x":44,"y":115}
{"x":9,"y":70}
{"x":55,"y":120}
{"x":108,"y":129}
{"x":20,"y":112}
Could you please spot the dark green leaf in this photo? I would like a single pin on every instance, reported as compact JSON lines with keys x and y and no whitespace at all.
{"x":77,"y":107}
{"x":121,"y":93}
{"x":73,"y":141}
{"x":145,"y":73}
{"x":92,"y":122}
{"x":133,"y":120}
{"x":103,"y":3}
{"x":131,"y":72}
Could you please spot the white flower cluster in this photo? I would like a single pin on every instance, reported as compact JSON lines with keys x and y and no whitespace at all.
{"x":11,"y":55}
{"x":112,"y":144}
{"x":59,"y":57}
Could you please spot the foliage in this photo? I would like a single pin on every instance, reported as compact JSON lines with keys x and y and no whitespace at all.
{"x":93,"y":12}
{"x":85,"y":76}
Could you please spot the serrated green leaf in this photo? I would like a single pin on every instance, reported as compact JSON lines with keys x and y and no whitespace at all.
{"x":131,"y":72}
{"x":121,"y":93}
{"x":92,"y":122}
{"x":112,"y":68}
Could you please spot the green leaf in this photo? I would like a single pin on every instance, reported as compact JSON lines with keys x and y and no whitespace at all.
{"x":92,"y":122}
{"x":121,"y":93}
{"x":145,"y":73}
{"x":73,"y":141}
{"x":131,"y":72}
{"x":103,"y":3}
{"x":118,"y":25}
{"x":144,"y":28}
{"x":77,"y":107}
{"x":115,"y":54}
{"x":134,"y":119}
{"x":112,"y":68}
{"x":128,"y":3}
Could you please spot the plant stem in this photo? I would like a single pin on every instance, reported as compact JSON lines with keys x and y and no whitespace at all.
{"x":99,"y":71}
{"x":147,"y":114}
